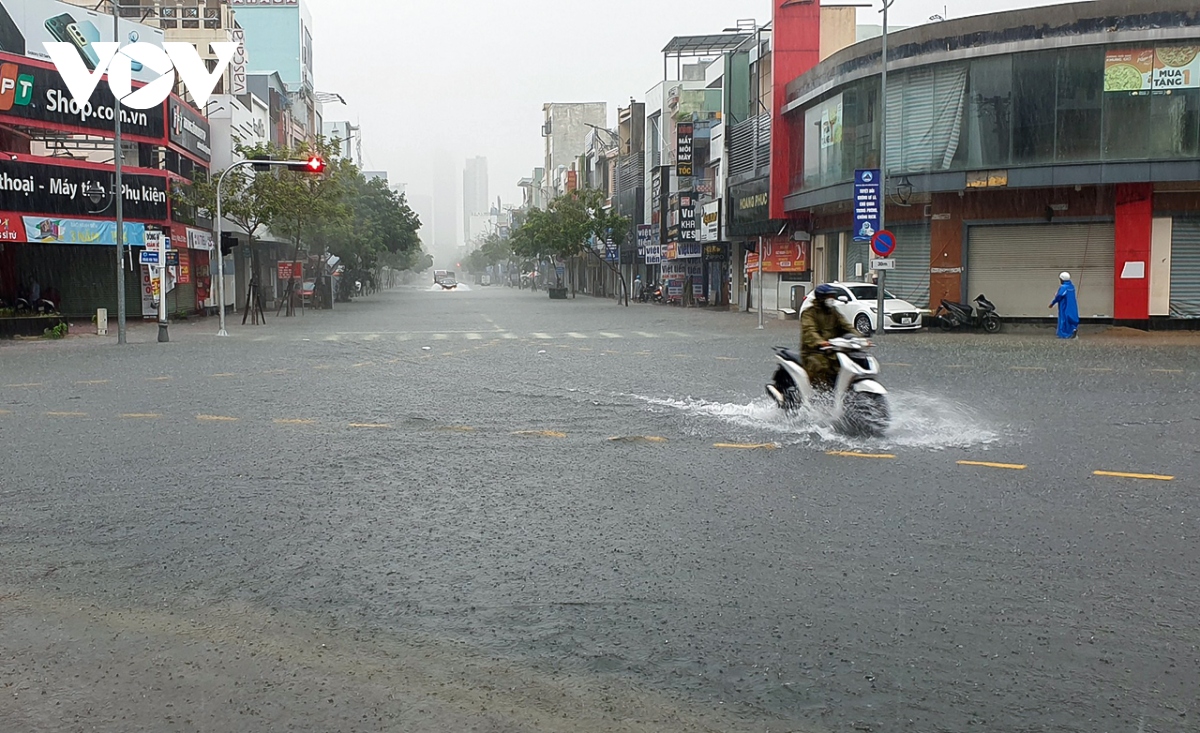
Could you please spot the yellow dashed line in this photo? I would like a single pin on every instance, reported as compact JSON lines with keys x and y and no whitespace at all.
{"x":988,"y":464}
{"x":457,"y":428}
{"x":223,"y":374}
{"x":726,"y":358}
{"x":5,"y":412}
{"x":140,"y":415}
{"x":1147,"y":476}
{"x":294,"y":421}
{"x":93,"y":381}
{"x":542,"y":433}
{"x":383,"y":425}
{"x":895,"y":364}
{"x":216,"y":418}
{"x":322,"y":366}
{"x":157,"y":379}
{"x":1027,"y":369}
{"x":363,"y":364}
{"x":276,"y":371}
{"x":25,"y":384}
{"x":747,"y":446}
{"x":1168,"y":371}
{"x":1095,"y":369}
{"x":856,"y":454}
{"x":66,"y":414}
{"x":638,"y":439}
{"x":956,"y":366}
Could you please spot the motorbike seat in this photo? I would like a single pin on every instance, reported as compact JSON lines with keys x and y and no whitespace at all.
{"x":789,"y":354}
{"x":956,"y":306}
{"x":985,"y":303}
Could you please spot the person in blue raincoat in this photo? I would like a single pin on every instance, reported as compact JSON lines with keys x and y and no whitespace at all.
{"x":1068,"y":307}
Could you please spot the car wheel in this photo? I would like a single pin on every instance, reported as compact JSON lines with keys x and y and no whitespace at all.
{"x":862,"y":322}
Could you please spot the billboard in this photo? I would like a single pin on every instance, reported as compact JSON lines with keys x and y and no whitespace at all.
{"x":62,"y":190}
{"x":1162,"y":69}
{"x":27,"y":24}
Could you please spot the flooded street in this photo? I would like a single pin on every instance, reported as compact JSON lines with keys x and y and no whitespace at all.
{"x":485,"y":510}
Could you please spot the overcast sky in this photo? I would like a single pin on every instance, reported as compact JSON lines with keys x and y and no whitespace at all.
{"x":469,"y":76}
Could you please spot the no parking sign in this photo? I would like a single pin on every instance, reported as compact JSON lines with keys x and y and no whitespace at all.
{"x":883,"y":243}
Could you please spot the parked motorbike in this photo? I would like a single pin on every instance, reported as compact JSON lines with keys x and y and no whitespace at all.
{"x":40,"y":307}
{"x":860,"y":404}
{"x":951,"y":315}
{"x":653,"y":293}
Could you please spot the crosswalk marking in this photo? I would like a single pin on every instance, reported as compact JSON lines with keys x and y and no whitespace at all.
{"x":473,"y":337}
{"x":540,"y":335}
{"x":452,"y":335}
{"x":608,"y":335}
{"x":643,"y":333}
{"x":440,"y":336}
{"x":371,"y":337}
{"x":575,"y":335}
{"x":332,"y":337}
{"x":508,"y":335}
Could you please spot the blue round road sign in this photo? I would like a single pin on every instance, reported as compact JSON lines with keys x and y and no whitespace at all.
{"x":883,"y":243}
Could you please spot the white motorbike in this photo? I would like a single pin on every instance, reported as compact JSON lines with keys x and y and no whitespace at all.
{"x":859,"y":401}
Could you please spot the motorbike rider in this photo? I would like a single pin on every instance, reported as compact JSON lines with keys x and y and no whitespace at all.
{"x":818,"y":323}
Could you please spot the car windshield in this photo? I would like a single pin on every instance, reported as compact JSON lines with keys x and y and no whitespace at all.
{"x":869,"y":292}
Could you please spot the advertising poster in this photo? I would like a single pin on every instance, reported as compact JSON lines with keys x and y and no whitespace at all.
{"x":51,"y":230}
{"x":27,"y":24}
{"x":1176,"y":67}
{"x":1163,"y":69}
{"x":866,"y":204}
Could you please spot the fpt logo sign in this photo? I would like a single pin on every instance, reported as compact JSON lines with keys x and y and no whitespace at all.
{"x":118,"y":61}
{"x":16,"y":89}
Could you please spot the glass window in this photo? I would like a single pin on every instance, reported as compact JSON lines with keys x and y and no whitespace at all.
{"x":860,"y":125}
{"x":823,"y":143}
{"x":1126,"y":117}
{"x":1078,"y":117}
{"x":1174,"y":124}
{"x":868,"y":292}
{"x":989,"y":113}
{"x":1034,"y":88}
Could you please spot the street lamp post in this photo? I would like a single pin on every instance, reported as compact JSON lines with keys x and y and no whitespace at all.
{"x":119,"y":193}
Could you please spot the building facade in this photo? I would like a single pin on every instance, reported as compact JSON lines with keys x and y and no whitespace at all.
{"x":1019,"y":145}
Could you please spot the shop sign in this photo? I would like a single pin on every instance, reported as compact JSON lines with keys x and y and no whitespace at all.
{"x":781,"y":255}
{"x":199,"y":239}
{"x":35,"y":188}
{"x":185,"y":266}
{"x":12,"y":228}
{"x":291,"y":270}
{"x":610,"y":249}
{"x":716,"y":252}
{"x":688,"y":228}
{"x":672,"y":251}
{"x":710,"y":221}
{"x":644,"y":237}
{"x":237,"y":65}
{"x":683,"y":149}
{"x":866,"y":204}
{"x":36,"y":95}
{"x":688,"y":250}
{"x":189,"y":130}
{"x":654,"y":254}
{"x":81,"y":231}
{"x":748,"y":210}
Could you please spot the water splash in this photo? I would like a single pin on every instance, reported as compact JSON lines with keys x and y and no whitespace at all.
{"x":460,"y":287}
{"x":918,"y":421}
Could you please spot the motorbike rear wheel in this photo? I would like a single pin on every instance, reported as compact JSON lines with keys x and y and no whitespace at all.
{"x":865,"y":414}
{"x":786,"y":388}
{"x":991,"y":323}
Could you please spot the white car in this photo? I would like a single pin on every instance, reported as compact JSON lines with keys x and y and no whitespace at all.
{"x":859,"y":304}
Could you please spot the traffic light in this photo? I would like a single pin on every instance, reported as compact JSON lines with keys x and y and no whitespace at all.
{"x":314,"y":164}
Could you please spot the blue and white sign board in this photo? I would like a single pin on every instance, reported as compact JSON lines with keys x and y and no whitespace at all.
{"x":867,"y":193}
{"x":148,"y":257}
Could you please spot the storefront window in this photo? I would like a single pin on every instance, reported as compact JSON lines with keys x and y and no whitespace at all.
{"x":1080,"y":88}
{"x":823,"y":143}
{"x":989,"y":113}
{"x":1034,"y":89}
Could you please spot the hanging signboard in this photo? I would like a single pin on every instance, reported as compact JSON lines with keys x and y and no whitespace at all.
{"x":867,"y":186}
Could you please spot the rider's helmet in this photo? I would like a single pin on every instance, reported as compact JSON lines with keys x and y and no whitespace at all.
{"x":824,"y":292}
{"x":1064,"y":277}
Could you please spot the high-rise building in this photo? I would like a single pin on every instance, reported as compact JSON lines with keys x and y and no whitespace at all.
{"x":475,"y":196}
{"x":566,"y":127}
{"x":445,"y":209}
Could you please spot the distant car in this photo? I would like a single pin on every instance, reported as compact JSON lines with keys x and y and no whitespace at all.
{"x":307,"y":290}
{"x":448,"y":283}
{"x":859,"y":305}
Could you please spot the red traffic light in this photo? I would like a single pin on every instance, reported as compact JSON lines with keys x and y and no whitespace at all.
{"x":315,"y":164}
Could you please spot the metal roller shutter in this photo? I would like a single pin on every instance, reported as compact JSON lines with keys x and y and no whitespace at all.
{"x":857,"y":254}
{"x":1185,"y":268}
{"x":1017,"y":266}
{"x":84,"y":275}
{"x":910,"y":279}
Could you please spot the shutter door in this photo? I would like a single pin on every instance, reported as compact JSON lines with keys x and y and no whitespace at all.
{"x":1017,"y":267}
{"x":1185,"y":268}
{"x":857,"y":253}
{"x":182,"y":298}
{"x":910,"y":279}
{"x":85,"y":277}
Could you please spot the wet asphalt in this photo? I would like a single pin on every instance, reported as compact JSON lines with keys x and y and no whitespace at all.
{"x":512,"y":513}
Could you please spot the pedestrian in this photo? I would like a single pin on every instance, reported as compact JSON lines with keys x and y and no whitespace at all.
{"x":1068,"y":308}
{"x":638,"y":286}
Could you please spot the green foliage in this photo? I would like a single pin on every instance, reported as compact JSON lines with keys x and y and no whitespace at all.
{"x":493,"y":250}
{"x":59,"y":331}
{"x":563,"y":229}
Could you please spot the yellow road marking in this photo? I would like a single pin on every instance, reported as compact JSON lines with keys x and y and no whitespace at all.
{"x":726,"y":358}
{"x":1095,"y":369}
{"x":956,"y":366}
{"x":748,"y":446}
{"x":638,"y":439}
{"x":543,"y":433}
{"x":141,"y":415}
{"x":5,"y":412}
{"x":896,"y":364}
{"x":1027,"y":369}
{"x":93,"y":381}
{"x":223,"y":374}
{"x":294,"y":421}
{"x":275,"y":371}
{"x":157,"y":379}
{"x":370,"y":425}
{"x":25,"y":384}
{"x":856,"y":454}
{"x":988,"y":464}
{"x":1168,"y":371}
{"x":322,"y":366}
{"x":457,"y":428}
{"x":216,"y":418}
{"x":363,"y":364}
{"x":67,"y":414}
{"x":1147,"y":476}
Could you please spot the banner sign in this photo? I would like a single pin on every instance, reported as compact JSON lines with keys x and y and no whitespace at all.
{"x":867,"y":185}
{"x":199,"y":239}
{"x":81,"y":231}
{"x":1141,"y":71}
{"x":644,"y":237}
{"x":61,"y":190}
{"x":291,"y":270}
{"x":710,"y":221}
{"x":34,"y":95}
{"x":653,"y":254}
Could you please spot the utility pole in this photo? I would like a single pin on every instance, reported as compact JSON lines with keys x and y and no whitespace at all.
{"x":118,"y":192}
{"x":880,"y":316}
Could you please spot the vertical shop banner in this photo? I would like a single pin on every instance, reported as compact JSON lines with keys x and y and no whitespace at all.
{"x":185,"y":267}
{"x":643,"y":239}
{"x":710,"y":222}
{"x":688,"y":226}
{"x":683,"y":149}
{"x":867,"y":185}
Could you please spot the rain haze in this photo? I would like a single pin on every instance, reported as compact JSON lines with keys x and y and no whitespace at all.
{"x":434,"y":81}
